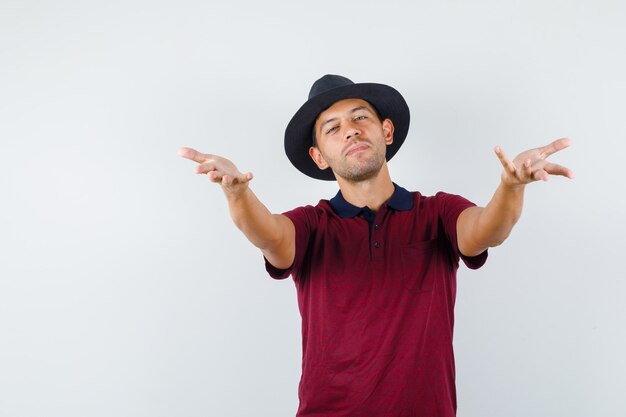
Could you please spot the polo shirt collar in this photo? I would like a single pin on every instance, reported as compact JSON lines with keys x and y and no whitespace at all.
{"x":400,"y":200}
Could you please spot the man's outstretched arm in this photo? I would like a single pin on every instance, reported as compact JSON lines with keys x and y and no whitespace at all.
{"x":479,"y":228}
{"x":274,"y":234}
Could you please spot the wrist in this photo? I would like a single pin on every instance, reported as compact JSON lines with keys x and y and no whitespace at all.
{"x":512,"y":187}
{"x":235,"y":193}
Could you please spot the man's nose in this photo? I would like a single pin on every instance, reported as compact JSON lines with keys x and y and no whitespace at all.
{"x":352,"y":131}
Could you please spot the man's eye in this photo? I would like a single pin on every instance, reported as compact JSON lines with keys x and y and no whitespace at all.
{"x":360,"y":118}
{"x":332,"y":129}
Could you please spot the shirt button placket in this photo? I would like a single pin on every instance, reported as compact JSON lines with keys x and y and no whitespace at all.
{"x":377,"y":252}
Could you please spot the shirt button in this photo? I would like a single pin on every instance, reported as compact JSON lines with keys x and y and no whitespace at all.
{"x":376,"y":226}
{"x":376,"y":245}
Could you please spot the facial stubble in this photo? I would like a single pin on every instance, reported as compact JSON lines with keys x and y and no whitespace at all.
{"x":359,"y":169}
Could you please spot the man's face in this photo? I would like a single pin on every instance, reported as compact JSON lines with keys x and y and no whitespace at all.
{"x":351,"y":140}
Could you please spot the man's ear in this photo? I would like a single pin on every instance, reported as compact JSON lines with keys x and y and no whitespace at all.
{"x":317,"y":157}
{"x":388,"y":129}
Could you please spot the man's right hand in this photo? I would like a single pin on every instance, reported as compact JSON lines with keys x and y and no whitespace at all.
{"x":219,"y":170}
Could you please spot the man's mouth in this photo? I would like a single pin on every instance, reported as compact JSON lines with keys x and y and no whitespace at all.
{"x":356,"y":149}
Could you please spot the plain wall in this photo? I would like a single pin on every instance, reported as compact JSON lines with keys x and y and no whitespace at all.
{"x":125,"y":290}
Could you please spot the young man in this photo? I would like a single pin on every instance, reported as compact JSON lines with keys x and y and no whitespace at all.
{"x":375,"y":266}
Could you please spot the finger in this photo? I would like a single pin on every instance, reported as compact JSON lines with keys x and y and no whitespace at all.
{"x":556,"y":169}
{"x":540,"y":175}
{"x":239,"y":179}
{"x":243,"y":178}
{"x":215,"y":176}
{"x":192,"y":154}
{"x":553,"y":147}
{"x":205,"y":168}
{"x":506,"y":163}
{"x":527,"y":171}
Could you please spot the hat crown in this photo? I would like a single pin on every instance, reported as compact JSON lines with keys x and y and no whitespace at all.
{"x":328,"y":82}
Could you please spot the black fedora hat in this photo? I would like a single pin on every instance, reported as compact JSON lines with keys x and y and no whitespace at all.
{"x":329,"y":89}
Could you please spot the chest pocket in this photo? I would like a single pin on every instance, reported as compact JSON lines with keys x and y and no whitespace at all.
{"x":419,"y":266}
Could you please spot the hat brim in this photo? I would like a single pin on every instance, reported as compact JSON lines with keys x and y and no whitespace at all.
{"x":388,"y":102}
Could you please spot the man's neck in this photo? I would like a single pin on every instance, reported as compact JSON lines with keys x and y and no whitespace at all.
{"x":373,"y":192}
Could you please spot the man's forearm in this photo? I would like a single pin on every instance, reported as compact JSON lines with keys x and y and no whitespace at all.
{"x":500,"y":215}
{"x":274,"y":234}
{"x":480,"y":228}
{"x":256,"y":222}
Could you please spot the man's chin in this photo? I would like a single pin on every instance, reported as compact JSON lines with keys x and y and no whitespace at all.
{"x":358,"y":175}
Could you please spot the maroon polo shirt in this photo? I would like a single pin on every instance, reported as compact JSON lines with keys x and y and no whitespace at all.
{"x":376,"y":294}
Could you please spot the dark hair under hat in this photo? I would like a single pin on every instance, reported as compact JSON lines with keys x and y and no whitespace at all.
{"x":329,"y":89}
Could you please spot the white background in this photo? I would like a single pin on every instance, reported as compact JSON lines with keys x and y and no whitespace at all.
{"x":125,"y":290}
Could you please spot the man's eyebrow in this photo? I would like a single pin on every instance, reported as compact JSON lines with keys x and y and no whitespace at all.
{"x":360,"y":108}
{"x":354,"y":110}
{"x":326,"y":122}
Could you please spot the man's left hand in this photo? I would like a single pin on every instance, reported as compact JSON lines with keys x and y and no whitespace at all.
{"x":532,"y":165}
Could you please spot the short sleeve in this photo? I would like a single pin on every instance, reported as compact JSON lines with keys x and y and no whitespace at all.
{"x":450,"y":207}
{"x":303,"y":219}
